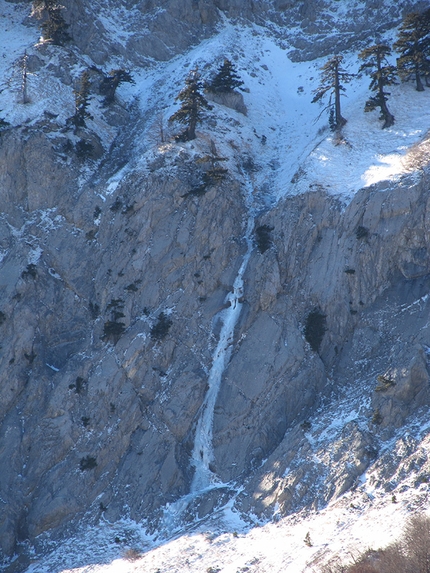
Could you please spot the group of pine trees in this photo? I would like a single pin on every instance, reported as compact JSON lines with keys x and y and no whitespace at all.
{"x":413,"y":47}
{"x":193,"y":101}
{"x":53,"y":25}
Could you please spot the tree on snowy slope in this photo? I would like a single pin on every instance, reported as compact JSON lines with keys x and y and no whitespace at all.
{"x":53,"y":26}
{"x":226,"y":79}
{"x":82,"y":100}
{"x":109,"y":84}
{"x":333,"y":76}
{"x":193,"y":103}
{"x":382,"y":74}
{"x":413,"y":46}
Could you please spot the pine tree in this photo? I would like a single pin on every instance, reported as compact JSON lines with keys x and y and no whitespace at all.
{"x":109,"y":84}
{"x":333,"y":76}
{"x":53,"y":26}
{"x":193,"y":103}
{"x":226,"y":79}
{"x":382,"y":74}
{"x":82,"y":101}
{"x":413,"y":45}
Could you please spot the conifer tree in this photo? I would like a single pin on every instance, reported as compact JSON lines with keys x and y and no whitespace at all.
{"x":413,"y":45}
{"x":53,"y":26}
{"x":82,"y":100}
{"x":109,"y":84}
{"x":193,"y":104}
{"x":382,"y":74}
{"x":226,"y":79}
{"x":333,"y":76}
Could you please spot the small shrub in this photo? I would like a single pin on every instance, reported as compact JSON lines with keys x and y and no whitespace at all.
{"x":376,"y":417}
{"x":84,"y":149}
{"x":306,"y":426}
{"x":2,"y":317}
{"x":307,"y":539}
{"x":97,"y":212}
{"x":80,"y":384}
{"x":87,"y":463}
{"x":30,"y":271}
{"x":30,"y":357}
{"x":132,"y":555}
{"x":161,"y":328}
{"x":362,"y":232}
{"x":263,"y":238}
{"x":315,"y":328}
{"x":91,"y":235}
{"x":94,"y":309}
{"x":384,"y":384}
{"x":350,"y":271}
{"x":112,"y":330}
{"x":85,"y":421}
{"x":116,"y":205}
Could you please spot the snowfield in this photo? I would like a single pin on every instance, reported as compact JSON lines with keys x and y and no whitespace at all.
{"x":293,"y":151}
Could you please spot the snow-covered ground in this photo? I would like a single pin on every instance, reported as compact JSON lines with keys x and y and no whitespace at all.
{"x":366,"y":518}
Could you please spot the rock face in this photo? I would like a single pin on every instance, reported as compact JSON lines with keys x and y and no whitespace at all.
{"x":143,"y":31}
{"x":111,"y":291}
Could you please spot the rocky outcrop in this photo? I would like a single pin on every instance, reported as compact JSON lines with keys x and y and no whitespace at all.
{"x":145,"y":32}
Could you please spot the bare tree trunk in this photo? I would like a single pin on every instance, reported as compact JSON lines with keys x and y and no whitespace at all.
{"x":25,"y":98}
{"x":339,"y":120}
{"x":420,"y":87}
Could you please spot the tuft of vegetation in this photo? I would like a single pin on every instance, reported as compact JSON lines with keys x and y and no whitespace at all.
{"x":116,"y":205}
{"x":30,"y":271}
{"x":84,"y":149}
{"x":94,"y":309}
{"x":315,"y":328}
{"x":2,"y":317}
{"x":112,"y":330}
{"x":87,"y":463}
{"x":384,"y":383}
{"x":3,"y":124}
{"x":79,"y":385}
{"x":161,"y":328}
{"x":362,"y":232}
{"x":263,"y":238}
{"x":377,"y":417}
{"x":132,"y":555}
